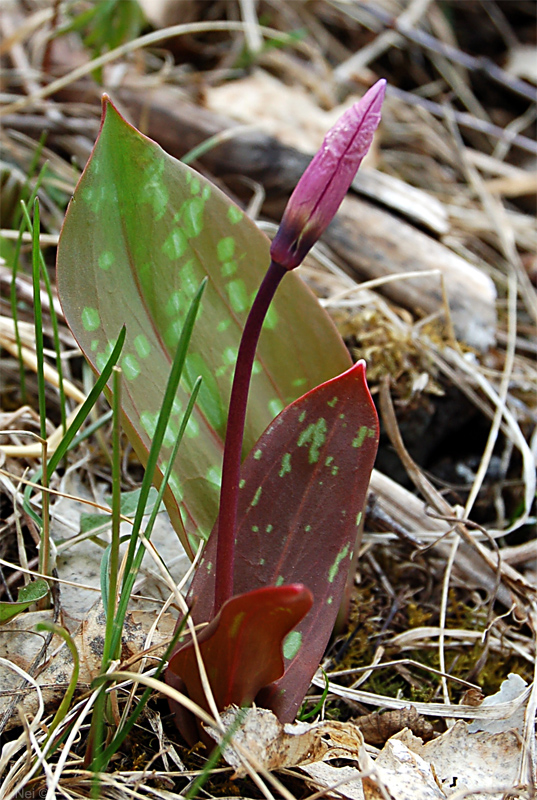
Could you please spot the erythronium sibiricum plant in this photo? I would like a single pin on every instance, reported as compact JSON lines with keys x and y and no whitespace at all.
{"x":141,"y":232}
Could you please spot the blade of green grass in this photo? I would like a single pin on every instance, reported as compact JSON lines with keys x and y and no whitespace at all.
{"x":38,"y":317}
{"x":14,"y":270}
{"x":133,"y":559}
{"x":77,"y":423}
{"x":53,"y":318}
{"x":63,"y":708}
{"x":111,"y":578}
{"x":124,"y":731}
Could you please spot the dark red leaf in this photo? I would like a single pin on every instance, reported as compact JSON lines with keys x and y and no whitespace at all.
{"x":241,"y":648}
{"x":303,"y":490}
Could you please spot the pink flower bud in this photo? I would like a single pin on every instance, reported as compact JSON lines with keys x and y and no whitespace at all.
{"x":326,"y":180}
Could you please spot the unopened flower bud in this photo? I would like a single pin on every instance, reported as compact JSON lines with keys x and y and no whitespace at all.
{"x":326,"y":180}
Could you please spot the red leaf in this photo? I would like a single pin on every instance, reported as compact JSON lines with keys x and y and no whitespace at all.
{"x":241,"y":648}
{"x":303,"y":490}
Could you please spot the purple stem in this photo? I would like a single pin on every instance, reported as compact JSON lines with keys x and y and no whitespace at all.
{"x":229,"y":492}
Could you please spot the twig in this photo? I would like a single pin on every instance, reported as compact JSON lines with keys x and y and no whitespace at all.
{"x":474,"y":63}
{"x":463,"y":119}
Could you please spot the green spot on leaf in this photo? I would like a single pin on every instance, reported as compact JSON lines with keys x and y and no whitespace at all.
{"x":258,"y":453}
{"x":130,"y":367}
{"x":192,"y":217}
{"x":176,"y":304}
{"x":234,"y":214}
{"x":230,"y":355}
{"x":192,"y":428}
{"x":314,"y":436}
{"x":90,"y":318}
{"x":175,"y":485}
{"x":225,"y":249}
{"x":271,"y":320}
{"x":332,"y":402}
{"x":214,"y":475}
{"x":170,"y":434}
{"x":154,"y":191}
{"x":142,"y":346}
{"x":242,"y":483}
{"x":358,"y":518}
{"x":173,"y":333}
{"x":256,"y":497}
{"x":149,"y":423}
{"x":106,"y":259}
{"x":238,"y":296}
{"x":279,"y":580}
{"x":332,"y":572}
{"x":229,"y":268}
{"x":209,"y":398}
{"x":286,"y":465}
{"x":292,"y":644}
{"x":269,"y":528}
{"x":275,"y":406}
{"x":360,"y":437}
{"x":176,"y":244}
{"x":189,"y":278}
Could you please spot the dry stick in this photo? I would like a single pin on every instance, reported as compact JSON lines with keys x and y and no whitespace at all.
{"x":463,"y":119}
{"x":440,"y":505}
{"x":500,"y":223}
{"x":473,"y":63}
{"x":387,"y":39}
{"x":485,"y":458}
{"x":251,"y":30}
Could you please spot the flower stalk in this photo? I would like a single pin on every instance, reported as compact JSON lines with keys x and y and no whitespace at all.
{"x":309,"y":211}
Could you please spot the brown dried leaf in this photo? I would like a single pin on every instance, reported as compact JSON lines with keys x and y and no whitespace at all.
{"x":378,"y":727}
{"x":20,"y":643}
{"x":269,"y":744}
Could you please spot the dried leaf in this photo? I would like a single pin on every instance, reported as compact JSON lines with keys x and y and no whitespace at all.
{"x":378,"y":727}
{"x":273,"y":745}
{"x":20,"y":643}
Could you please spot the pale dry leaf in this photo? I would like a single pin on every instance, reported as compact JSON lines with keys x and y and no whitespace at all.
{"x":465,"y":761}
{"x":273,"y":745}
{"x":347,"y":781}
{"x":404,"y":774}
{"x":21,"y":643}
{"x":398,"y":774}
{"x":510,"y":689}
{"x":80,"y":562}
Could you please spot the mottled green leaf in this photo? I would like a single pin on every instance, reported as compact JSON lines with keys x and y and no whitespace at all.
{"x":141,"y":232}
{"x":303,"y":489}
